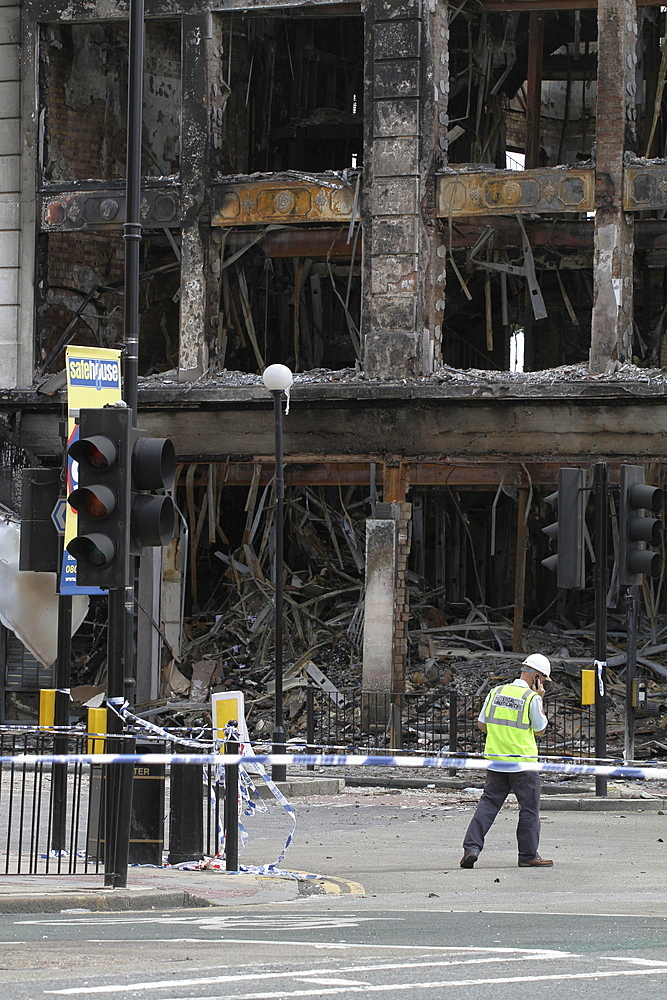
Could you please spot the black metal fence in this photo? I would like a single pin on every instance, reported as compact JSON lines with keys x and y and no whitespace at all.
{"x":52,"y":815}
{"x":413,"y":723}
{"x":45,"y":818}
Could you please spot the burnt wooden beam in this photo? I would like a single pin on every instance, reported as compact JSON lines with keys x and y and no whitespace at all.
{"x":293,"y":242}
{"x":505,"y":6}
{"x":563,"y":234}
{"x":43,"y":11}
{"x":480,"y":475}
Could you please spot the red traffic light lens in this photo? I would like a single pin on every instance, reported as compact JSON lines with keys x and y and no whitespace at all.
{"x":95,"y":457}
{"x":98,"y":452}
{"x":96,"y":501}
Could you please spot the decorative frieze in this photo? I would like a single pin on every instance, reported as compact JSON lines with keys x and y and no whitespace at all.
{"x":508,"y":192}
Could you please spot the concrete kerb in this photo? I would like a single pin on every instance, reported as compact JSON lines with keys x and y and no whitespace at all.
{"x":574,"y":797}
{"x":98,"y":901}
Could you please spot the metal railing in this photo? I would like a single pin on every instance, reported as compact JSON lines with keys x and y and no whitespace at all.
{"x":413,"y":723}
{"x":45,"y":819}
{"x":52,"y":815}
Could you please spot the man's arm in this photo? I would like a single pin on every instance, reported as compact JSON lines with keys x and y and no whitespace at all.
{"x":538,"y":719}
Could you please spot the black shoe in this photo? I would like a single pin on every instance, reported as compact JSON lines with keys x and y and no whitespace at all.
{"x":468,"y":859}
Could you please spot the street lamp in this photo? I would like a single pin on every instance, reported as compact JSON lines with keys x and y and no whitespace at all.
{"x":278,"y":379}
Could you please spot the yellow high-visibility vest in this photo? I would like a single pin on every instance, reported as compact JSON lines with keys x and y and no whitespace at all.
{"x":509,"y":735}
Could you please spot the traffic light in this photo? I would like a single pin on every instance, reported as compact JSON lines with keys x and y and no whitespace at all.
{"x":636,"y":530}
{"x":567,"y":533}
{"x":39,"y":544}
{"x":152,"y":509}
{"x":122,"y":475}
{"x":99,"y":472}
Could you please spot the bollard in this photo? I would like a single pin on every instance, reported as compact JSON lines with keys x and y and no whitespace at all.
{"x":96,"y":726}
{"x":231,"y":812}
{"x":186,"y":813}
{"x":47,"y":708}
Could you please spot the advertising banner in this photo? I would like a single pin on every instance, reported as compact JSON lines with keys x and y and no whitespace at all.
{"x":93,"y":380}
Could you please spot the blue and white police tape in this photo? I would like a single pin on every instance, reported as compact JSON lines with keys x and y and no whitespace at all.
{"x":611,"y":770}
{"x":122,"y":710}
{"x":246,"y":790}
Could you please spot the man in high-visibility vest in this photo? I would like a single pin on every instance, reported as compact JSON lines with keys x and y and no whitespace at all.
{"x":511,"y":717}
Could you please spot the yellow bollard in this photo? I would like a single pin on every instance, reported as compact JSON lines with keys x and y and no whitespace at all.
{"x":97,"y":726}
{"x":587,"y":687}
{"x":47,"y":708}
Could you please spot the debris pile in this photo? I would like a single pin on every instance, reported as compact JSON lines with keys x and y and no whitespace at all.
{"x":453,"y":647}
{"x":233,"y":648}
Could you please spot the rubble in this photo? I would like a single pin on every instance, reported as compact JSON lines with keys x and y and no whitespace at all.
{"x":462,"y":647}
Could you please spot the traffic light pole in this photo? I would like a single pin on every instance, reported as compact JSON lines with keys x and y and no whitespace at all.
{"x":119,"y":776}
{"x":630,"y":671}
{"x":61,"y":720}
{"x":601,"y":490}
{"x":132,"y":226}
{"x":121,"y":600}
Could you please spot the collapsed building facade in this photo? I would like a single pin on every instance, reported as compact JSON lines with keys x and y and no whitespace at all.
{"x":446,"y":218}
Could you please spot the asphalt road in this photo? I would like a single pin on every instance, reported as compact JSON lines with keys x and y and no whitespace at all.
{"x":412,"y":922}
{"x":334,"y":950}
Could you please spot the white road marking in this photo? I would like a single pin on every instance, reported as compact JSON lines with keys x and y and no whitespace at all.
{"x":332,"y":982}
{"x":633,"y":961}
{"x":202,"y":920}
{"x":331,"y":945}
{"x":375,"y":967}
{"x":396,"y":987}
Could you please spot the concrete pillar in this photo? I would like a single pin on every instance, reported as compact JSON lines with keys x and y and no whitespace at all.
{"x":611,"y":325}
{"x":20,"y":143}
{"x":406,"y":67}
{"x":386,"y":608}
{"x":199,"y":293}
{"x":379,"y":604}
{"x":402,"y":616}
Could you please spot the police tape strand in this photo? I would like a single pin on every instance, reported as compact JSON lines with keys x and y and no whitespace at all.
{"x":348,"y":760}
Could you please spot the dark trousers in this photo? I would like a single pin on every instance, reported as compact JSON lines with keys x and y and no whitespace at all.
{"x":526,"y":787}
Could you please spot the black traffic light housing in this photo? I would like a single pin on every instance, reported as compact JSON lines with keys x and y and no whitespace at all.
{"x":567,"y":533}
{"x":638,"y":532}
{"x":100,"y":499}
{"x":40,"y":543}
{"x":120,"y":498}
{"x":152,"y":509}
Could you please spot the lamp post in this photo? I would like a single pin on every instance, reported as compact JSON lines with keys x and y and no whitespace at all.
{"x":278,"y":379}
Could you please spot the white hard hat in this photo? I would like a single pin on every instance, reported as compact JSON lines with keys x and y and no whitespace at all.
{"x":538,"y":662}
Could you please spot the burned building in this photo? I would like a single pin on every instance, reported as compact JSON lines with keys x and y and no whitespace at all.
{"x":446,"y":218}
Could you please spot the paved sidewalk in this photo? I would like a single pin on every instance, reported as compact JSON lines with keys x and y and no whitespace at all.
{"x":169,"y":888}
{"x":153,"y":889}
